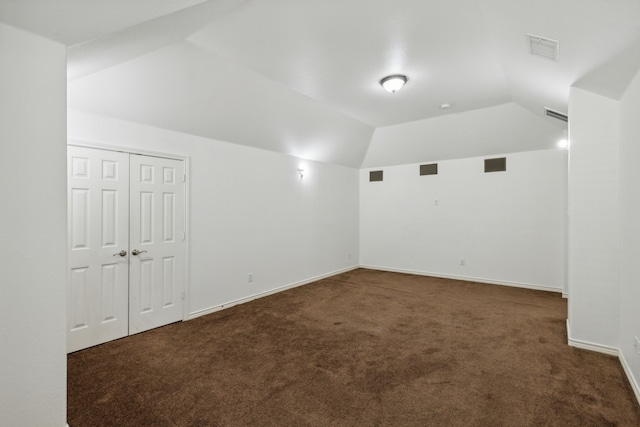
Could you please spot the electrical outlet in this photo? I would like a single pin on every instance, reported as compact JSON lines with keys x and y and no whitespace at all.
{"x":636,"y":345}
{"x":250,"y":277}
{"x":462,"y":262}
{"x":349,"y":256}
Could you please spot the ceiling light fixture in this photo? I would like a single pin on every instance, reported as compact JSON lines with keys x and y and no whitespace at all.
{"x":394,"y":83}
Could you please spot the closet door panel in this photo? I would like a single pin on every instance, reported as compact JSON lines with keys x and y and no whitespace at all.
{"x":98,"y":228}
{"x":157,"y":242}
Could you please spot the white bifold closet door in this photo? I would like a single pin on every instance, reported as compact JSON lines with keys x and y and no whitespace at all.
{"x":126,"y":244}
{"x":157,"y":233}
{"x":98,"y":275}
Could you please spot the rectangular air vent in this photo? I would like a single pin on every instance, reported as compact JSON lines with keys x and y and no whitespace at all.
{"x":556,"y":114}
{"x":543,"y":47}
{"x":431,"y":169}
{"x":375,"y":176}
{"x":495,"y":165}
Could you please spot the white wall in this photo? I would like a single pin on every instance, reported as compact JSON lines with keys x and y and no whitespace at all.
{"x":250,"y":211}
{"x":507,"y":226}
{"x":594,"y":252}
{"x":630,"y":228}
{"x":32,"y":230}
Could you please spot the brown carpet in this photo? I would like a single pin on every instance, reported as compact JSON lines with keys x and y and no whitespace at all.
{"x":364,"y":348}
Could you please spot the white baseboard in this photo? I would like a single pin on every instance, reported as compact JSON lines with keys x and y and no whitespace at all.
{"x":466,"y":278}
{"x":587,"y":345}
{"x":612,"y":351}
{"x":229,"y":304}
{"x":630,"y":377}
{"x":591,"y":346}
{"x":599,"y":348}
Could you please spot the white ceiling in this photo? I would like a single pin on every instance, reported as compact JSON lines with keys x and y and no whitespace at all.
{"x":301,"y":77}
{"x":76,"y":21}
{"x":181,"y":87}
{"x":500,"y":129}
{"x":337,"y":55}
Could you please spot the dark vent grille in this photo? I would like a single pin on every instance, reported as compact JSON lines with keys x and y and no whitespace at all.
{"x":375,"y":176}
{"x":556,"y":114}
{"x":431,"y":169}
{"x":495,"y":165}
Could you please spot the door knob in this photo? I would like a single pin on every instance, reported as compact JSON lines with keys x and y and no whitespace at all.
{"x":121,"y":253}
{"x":137,"y":252}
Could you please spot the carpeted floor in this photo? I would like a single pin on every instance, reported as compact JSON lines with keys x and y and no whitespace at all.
{"x":364,"y":348}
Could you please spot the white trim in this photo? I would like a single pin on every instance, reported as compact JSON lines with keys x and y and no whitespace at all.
{"x":124,"y":149}
{"x":598,"y":348}
{"x":630,"y":377}
{"x":467,"y":278}
{"x":612,"y":351}
{"x":587,"y":345}
{"x":129,"y":150}
{"x":229,"y":304}
{"x":186,"y":289}
{"x":565,"y":296}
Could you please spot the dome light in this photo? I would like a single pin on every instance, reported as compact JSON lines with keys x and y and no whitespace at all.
{"x":394,"y":83}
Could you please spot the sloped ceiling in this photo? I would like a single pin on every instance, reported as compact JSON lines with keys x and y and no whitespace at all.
{"x":501,"y":129}
{"x":612,"y":78}
{"x":302,"y":77}
{"x":75,"y":21}
{"x":181,"y":87}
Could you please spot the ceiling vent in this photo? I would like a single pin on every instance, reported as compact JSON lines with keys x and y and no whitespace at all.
{"x":543,"y":47}
{"x":556,"y":114}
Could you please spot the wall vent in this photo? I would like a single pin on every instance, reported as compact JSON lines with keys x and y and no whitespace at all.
{"x":375,"y":176}
{"x":431,"y":169}
{"x":556,"y":114}
{"x":543,"y":47}
{"x":495,"y":165}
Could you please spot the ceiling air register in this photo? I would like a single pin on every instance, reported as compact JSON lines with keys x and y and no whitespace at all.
{"x":543,"y":47}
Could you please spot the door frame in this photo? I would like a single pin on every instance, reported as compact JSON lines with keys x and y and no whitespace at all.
{"x":136,"y":151}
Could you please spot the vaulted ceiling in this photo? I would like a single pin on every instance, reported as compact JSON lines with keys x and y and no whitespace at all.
{"x":302,"y":77}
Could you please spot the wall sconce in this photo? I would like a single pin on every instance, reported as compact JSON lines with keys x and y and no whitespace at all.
{"x":301,"y":172}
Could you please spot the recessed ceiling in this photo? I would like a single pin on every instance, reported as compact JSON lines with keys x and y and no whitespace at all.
{"x":303,"y":76}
